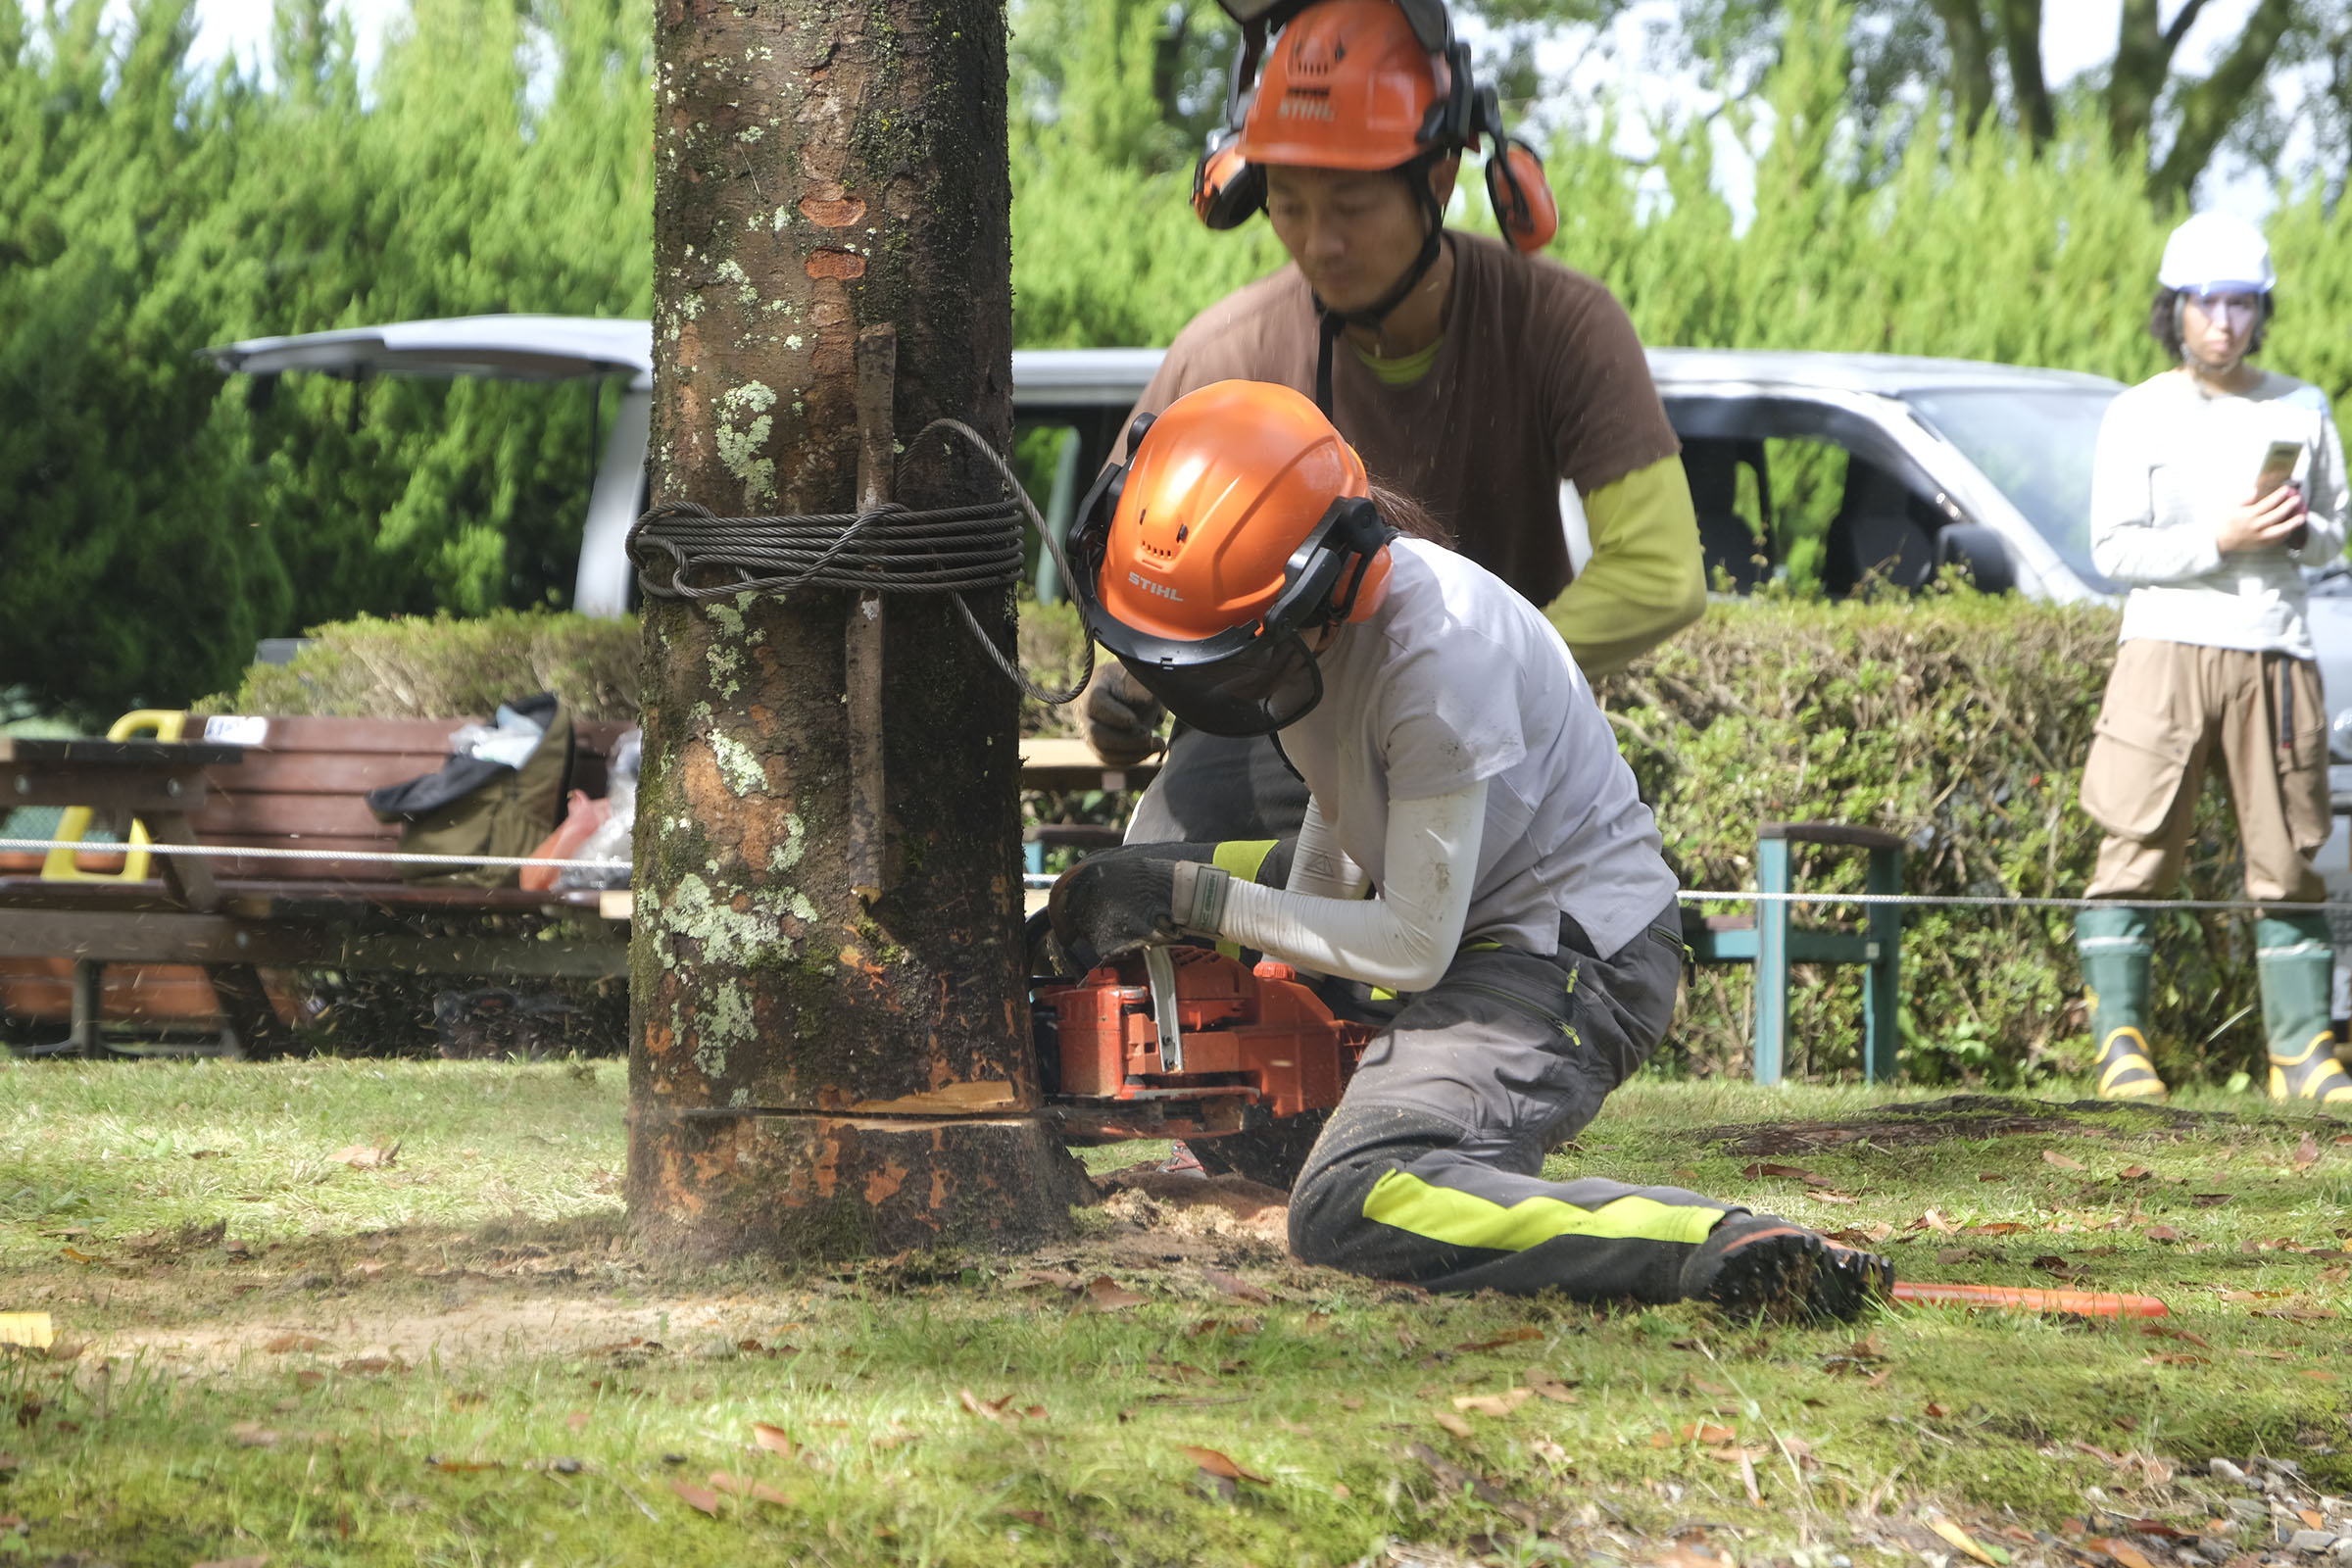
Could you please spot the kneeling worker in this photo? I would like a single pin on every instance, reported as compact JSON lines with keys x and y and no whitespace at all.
{"x":1244,"y":571}
{"x":1474,"y":377}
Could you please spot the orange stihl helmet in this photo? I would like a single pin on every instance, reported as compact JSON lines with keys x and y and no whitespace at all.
{"x":1347,"y":85}
{"x":1363,"y":84}
{"x":1240,"y":520}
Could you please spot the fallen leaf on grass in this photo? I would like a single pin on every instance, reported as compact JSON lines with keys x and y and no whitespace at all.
{"x":462,"y":1466}
{"x":1028,"y":1516}
{"x":1862,"y":1236}
{"x":2121,"y":1551}
{"x":2209,"y":1200}
{"x":258,"y":1560}
{"x":1495,"y":1404}
{"x":369,"y":1156}
{"x":1107,"y":1294}
{"x":2170,"y":1358}
{"x":2051,"y":1156}
{"x":2311,"y":1519}
{"x":757,"y":1491}
{"x":2053,"y":1264}
{"x":693,"y":1497}
{"x":1988,"y":1176}
{"x":1954,"y":1256}
{"x":1998,"y":1227}
{"x":2133,"y":1173}
{"x":1990,"y":1555}
{"x":1518,"y":1336}
{"x":253,"y":1435}
{"x":371,"y":1365}
{"x":1218,"y":1464}
{"x":2307,"y":1155}
{"x":283,"y":1343}
{"x":776,"y":1439}
{"x":1452,"y":1423}
{"x":1237,"y":1288}
{"x":1552,"y":1387}
{"x":1707,"y":1432}
{"x":77,"y":1256}
{"x":2163,"y":1233}
{"x":1933,"y":1221}
{"x":999,"y":1409}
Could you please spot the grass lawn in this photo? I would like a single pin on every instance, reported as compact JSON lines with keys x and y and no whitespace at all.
{"x":281,"y":1342}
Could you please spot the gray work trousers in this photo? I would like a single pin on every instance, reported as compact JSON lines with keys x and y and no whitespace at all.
{"x":1429,"y":1170}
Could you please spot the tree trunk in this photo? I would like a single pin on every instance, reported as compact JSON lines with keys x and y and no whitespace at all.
{"x":811,"y":1073}
{"x":2021,"y":42}
{"x":2143,"y":61}
{"x":1971,"y":75}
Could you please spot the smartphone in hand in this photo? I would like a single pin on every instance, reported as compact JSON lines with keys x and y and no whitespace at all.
{"x":2278,"y":467}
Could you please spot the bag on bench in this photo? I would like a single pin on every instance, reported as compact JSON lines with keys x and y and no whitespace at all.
{"x":478,"y":805}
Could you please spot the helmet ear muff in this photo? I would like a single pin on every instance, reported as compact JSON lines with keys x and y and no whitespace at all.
{"x":1521,"y":196}
{"x":1228,"y":190}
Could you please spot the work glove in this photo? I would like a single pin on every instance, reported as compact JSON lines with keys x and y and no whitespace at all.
{"x":1121,"y":716}
{"x":1110,"y":905}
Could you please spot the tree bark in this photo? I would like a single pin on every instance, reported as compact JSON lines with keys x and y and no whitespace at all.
{"x":1971,"y":71}
{"x":2021,"y":42}
{"x":813,"y":1074}
{"x":2143,"y":61}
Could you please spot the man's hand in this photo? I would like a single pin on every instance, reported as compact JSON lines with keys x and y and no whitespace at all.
{"x":2262,"y":523}
{"x":1121,"y":719}
{"x":1111,"y":903}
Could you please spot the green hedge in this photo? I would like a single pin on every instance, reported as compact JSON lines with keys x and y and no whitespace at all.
{"x":1957,"y":721}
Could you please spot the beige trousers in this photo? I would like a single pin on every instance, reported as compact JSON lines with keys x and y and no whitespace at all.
{"x":2173,"y":710}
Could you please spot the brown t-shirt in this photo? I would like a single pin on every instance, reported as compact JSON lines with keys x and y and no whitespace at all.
{"x":1540,"y":378}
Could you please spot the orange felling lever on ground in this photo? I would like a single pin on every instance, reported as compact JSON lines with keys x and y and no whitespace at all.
{"x":2079,"y":1303}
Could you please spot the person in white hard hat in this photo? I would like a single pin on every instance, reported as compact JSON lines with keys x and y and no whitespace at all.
{"x":2214,"y":483}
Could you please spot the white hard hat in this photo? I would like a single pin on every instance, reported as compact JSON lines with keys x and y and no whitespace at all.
{"x":2214,"y":253}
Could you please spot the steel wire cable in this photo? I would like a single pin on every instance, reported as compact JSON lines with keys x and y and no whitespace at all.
{"x":891,"y":549}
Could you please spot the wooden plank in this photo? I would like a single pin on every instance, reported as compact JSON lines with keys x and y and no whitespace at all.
{"x":145,"y":787}
{"x":322,"y":772}
{"x":304,"y":732}
{"x":116,"y":754}
{"x":209,"y":939}
{"x":294,"y":818}
{"x":1057,"y":762}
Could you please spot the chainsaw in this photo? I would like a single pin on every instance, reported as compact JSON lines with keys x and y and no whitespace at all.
{"x":1185,"y":1042}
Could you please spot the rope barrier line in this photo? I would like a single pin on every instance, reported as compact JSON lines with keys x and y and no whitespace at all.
{"x":889,"y":549}
{"x":232,"y":851}
{"x":1923,"y":900}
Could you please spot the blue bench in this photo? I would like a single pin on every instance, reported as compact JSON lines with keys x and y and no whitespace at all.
{"x":1772,"y":940}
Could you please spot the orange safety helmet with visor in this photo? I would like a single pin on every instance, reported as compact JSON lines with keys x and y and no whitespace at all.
{"x":1362,"y":84}
{"x":1240,"y":522}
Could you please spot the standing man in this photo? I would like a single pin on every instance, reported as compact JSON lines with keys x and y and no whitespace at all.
{"x":2213,"y":485}
{"x":1476,"y":378}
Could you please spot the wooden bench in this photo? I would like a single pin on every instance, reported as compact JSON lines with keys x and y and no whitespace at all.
{"x":218,"y":925}
{"x":1772,"y":940}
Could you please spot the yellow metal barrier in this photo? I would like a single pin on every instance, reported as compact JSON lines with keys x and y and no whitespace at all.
{"x":163,"y":724}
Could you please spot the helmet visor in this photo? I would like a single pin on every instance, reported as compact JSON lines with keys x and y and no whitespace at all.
{"x":1266,"y":686}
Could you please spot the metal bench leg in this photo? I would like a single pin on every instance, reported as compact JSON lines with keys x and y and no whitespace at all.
{"x":1772,"y":959}
{"x":81,"y":1037}
{"x":1883,"y":989}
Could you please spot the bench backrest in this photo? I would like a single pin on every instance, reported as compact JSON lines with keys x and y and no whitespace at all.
{"x":303,"y":787}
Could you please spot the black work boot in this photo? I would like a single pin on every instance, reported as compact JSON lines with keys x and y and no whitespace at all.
{"x":1762,"y":1265}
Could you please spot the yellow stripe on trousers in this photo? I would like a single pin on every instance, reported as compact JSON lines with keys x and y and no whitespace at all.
{"x":1241,"y":859}
{"x":1463,"y":1219}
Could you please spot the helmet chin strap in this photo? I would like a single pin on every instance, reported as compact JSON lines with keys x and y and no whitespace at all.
{"x":1333,"y":322}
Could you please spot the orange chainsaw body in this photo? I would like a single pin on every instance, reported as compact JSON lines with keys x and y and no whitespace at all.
{"x":1255,"y":1045}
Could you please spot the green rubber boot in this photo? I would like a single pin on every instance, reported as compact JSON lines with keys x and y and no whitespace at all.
{"x":2115,"y":953}
{"x":2297,"y":963}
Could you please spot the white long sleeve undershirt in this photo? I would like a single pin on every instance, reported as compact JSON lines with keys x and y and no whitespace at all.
{"x":1405,"y":938}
